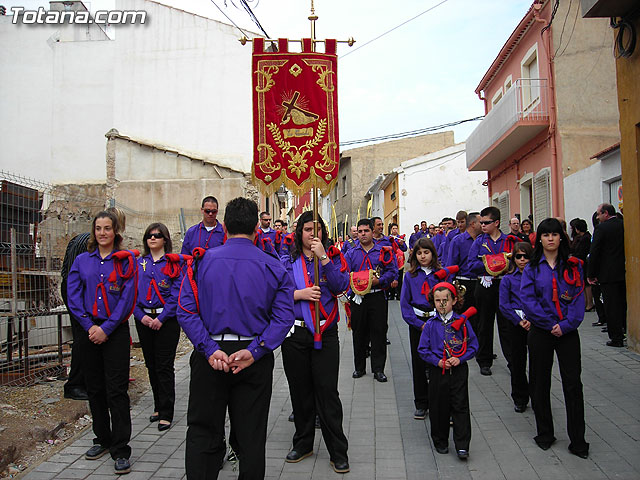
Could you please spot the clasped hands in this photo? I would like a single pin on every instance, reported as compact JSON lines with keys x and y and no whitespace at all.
{"x":152,"y":323}
{"x":235,"y":362}
{"x":97,"y":335}
{"x":451,"y":362}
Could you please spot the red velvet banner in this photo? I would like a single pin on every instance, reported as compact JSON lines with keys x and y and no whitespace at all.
{"x":295,"y":117}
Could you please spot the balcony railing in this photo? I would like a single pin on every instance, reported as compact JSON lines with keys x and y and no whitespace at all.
{"x":526,"y":102}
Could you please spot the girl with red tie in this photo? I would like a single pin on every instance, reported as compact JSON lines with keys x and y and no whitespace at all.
{"x":155,"y":314}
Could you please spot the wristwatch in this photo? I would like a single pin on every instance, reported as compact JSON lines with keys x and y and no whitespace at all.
{"x":323,"y":257}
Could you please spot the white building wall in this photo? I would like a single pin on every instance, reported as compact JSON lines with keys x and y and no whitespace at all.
{"x":179,"y":80}
{"x":588,"y":188}
{"x":438,"y":185}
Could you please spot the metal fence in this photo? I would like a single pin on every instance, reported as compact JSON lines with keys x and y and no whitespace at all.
{"x":37,"y":221}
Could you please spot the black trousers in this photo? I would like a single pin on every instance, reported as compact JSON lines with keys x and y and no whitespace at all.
{"x":247,"y":395}
{"x":487,"y":300}
{"x":419,"y":369}
{"x":542,"y":345}
{"x":159,"y":349}
{"x":369,"y":324}
{"x":106,"y":369}
{"x":519,"y":383}
{"x":449,"y":399}
{"x":76,"y":373}
{"x":394,"y":293}
{"x":615,"y":306}
{"x":313,"y":384}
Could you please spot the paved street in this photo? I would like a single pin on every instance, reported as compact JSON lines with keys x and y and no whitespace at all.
{"x":385,"y":442}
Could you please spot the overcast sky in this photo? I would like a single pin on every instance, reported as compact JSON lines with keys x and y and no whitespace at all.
{"x":422,"y":74}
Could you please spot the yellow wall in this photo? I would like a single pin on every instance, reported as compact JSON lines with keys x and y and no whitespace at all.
{"x":391,"y":206}
{"x":628,"y":73}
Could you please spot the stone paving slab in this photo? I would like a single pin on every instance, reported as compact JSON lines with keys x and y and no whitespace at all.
{"x":385,"y":442}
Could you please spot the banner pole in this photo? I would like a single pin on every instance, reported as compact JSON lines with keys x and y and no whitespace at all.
{"x":317,"y":337}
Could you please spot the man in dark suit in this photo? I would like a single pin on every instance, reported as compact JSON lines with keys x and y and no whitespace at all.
{"x":606,"y":266}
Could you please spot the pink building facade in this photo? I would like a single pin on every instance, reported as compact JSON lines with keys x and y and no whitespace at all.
{"x":517,"y":142}
{"x":546,"y":115}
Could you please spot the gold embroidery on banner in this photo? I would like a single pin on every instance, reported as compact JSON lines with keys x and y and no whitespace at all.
{"x":265,"y":73}
{"x":297,"y":155}
{"x":298,"y":132}
{"x":267,"y":165}
{"x":295,"y":70}
{"x":328,"y":164}
{"x":324,"y":71}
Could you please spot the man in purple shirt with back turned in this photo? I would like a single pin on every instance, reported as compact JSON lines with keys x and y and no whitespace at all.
{"x":237,"y":309}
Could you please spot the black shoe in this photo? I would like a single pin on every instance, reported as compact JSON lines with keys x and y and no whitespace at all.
{"x":164,"y":426}
{"x":122,"y":466}
{"x":294,"y":456}
{"x":598,"y":323}
{"x":291,"y":417}
{"x":76,"y":393}
{"x":154,"y":418}
{"x":358,"y":373}
{"x":579,"y":453}
{"x":520,"y":408}
{"x":95,"y":452}
{"x":463,"y":454}
{"x":486,"y":371}
{"x":340,"y":467}
{"x":388,"y":341}
{"x":495,"y":356}
{"x":442,"y":450}
{"x":420,"y":413}
{"x":317,"y":422}
{"x":380,"y":376}
{"x":544,"y":445}
{"x":615,"y":343}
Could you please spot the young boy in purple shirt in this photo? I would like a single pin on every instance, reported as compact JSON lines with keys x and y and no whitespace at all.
{"x":447,"y":343}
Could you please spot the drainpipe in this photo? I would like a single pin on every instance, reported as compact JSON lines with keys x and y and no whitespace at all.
{"x":557,"y":186}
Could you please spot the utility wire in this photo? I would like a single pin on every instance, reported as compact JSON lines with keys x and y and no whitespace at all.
{"x":409,"y":133}
{"x":394,"y":28}
{"x":228,"y":18}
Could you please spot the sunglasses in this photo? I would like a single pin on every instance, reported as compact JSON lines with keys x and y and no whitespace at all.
{"x":487,"y":222}
{"x":155,"y":235}
{"x":520,"y":256}
{"x":209,"y":212}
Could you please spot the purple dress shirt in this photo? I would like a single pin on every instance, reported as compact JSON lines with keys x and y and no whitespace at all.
{"x":242,"y":291}
{"x":358,"y":259}
{"x":510,"y":296}
{"x":88,"y":271}
{"x":332,"y":283}
{"x":459,"y":255}
{"x":198,"y":236}
{"x":536,"y":293}
{"x":483,"y":245}
{"x":168,"y":287}
{"x":411,"y":297}
{"x":436,"y":333}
